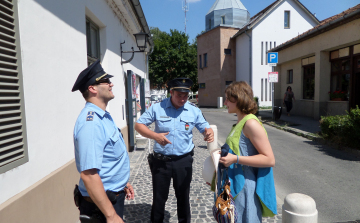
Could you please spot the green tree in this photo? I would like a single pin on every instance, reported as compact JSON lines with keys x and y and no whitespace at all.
{"x":173,"y":56}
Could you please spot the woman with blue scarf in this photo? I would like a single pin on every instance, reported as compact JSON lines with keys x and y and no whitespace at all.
{"x":250,"y":158}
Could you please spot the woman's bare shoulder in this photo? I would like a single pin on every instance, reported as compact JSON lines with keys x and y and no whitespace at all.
{"x":252,"y":125}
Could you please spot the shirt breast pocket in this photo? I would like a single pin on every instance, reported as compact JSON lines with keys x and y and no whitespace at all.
{"x":187,"y":123}
{"x":164,"y":124}
{"x":115,"y":144}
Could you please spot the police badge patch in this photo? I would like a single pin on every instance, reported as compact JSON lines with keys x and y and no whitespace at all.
{"x":90,"y":116}
{"x":187,"y":126}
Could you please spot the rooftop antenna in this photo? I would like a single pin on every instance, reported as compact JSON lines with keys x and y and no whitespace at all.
{"x":185,"y":7}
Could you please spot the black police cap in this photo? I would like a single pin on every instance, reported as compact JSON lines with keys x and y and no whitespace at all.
{"x":90,"y":76}
{"x":181,"y":84}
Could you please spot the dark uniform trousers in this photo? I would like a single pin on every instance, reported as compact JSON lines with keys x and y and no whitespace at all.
{"x":90,"y":209}
{"x":181,"y":172}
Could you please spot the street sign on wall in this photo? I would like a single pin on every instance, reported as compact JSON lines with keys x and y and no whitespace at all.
{"x":272,"y":59}
{"x":273,"y":77}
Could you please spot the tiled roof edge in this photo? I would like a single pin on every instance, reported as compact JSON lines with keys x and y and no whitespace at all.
{"x":259,"y":15}
{"x":331,"y":23}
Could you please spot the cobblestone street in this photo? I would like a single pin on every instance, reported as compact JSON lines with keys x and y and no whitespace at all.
{"x":201,"y":198}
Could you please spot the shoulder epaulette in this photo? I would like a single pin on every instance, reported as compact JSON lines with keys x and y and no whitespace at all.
{"x":193,"y":104}
{"x":90,"y":116}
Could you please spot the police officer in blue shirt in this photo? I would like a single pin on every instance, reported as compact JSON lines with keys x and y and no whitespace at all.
{"x":174,"y":119}
{"x":100,"y":151}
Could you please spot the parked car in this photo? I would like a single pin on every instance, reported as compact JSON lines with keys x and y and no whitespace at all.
{"x":156,"y":97}
{"x":193,"y":98}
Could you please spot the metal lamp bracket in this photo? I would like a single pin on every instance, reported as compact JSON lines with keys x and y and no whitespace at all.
{"x":132,"y":56}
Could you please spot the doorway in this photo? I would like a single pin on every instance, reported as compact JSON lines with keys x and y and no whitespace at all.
{"x":355,"y":94}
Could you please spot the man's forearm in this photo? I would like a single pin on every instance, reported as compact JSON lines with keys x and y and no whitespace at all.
{"x":95,"y":189}
{"x":145,"y":131}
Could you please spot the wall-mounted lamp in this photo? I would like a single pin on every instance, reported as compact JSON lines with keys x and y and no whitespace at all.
{"x":141,"y":39}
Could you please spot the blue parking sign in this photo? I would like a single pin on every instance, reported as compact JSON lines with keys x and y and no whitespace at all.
{"x":273,"y":57}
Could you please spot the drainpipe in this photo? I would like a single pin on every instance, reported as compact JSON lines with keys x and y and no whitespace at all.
{"x":250,"y":57}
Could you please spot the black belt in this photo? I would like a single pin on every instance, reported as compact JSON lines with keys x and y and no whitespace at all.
{"x":163,"y":157}
{"x":88,"y":199}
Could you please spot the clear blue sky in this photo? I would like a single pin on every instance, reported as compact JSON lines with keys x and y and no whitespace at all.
{"x":168,"y":14}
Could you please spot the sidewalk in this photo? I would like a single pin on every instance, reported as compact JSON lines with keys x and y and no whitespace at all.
{"x":201,"y":198}
{"x":299,"y":125}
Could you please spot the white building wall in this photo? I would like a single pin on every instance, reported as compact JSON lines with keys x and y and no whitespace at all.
{"x":53,"y":53}
{"x":271,"y":29}
{"x":242,"y":57}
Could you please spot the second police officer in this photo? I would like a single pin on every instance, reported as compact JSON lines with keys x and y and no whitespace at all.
{"x":174,"y":119}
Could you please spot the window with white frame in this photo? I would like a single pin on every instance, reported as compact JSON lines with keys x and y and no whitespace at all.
{"x":287,"y":19}
{"x":92,"y":41}
{"x":13,"y":145}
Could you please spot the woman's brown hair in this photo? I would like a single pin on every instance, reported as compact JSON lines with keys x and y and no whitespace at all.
{"x":242,"y":94}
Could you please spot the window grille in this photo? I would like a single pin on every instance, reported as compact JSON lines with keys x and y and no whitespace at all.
{"x":13,"y":149}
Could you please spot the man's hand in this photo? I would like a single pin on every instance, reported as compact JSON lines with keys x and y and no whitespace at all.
{"x":161,"y":139}
{"x":130,"y":194}
{"x":114,"y":219}
{"x":209,"y":135}
{"x":95,"y":189}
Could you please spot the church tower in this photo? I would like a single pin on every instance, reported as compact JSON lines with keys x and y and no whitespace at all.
{"x":230,"y":13}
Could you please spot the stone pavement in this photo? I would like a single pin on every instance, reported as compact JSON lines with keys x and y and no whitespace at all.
{"x":201,"y":198}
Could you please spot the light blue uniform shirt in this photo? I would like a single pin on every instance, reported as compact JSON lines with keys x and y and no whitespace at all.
{"x":99,"y":144}
{"x":178,"y":122}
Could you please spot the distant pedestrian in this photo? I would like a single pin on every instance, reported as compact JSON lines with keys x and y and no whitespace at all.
{"x":249,"y":159}
{"x":174,"y":119}
{"x":288,"y":96}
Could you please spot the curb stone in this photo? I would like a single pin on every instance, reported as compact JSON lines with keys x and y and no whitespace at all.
{"x":320,"y":140}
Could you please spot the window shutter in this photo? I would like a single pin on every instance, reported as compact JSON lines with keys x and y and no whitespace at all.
{"x":13,"y":150}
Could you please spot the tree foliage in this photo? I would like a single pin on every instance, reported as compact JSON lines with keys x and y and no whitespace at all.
{"x":173,"y":56}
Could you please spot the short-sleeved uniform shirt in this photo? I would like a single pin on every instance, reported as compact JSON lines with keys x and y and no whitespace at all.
{"x":99,"y":144}
{"x":178,"y":122}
